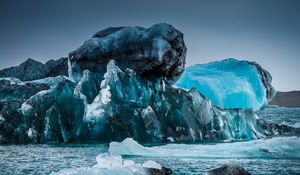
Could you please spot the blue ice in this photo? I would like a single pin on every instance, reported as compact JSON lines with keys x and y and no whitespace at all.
{"x":228,"y":83}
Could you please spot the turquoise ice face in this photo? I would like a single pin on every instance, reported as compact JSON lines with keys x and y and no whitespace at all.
{"x":228,"y":83}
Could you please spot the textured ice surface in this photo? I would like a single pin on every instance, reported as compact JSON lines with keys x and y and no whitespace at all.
{"x":51,"y":81}
{"x":229,"y":83}
{"x":155,"y":52}
{"x":13,"y":80}
{"x":125,"y":105}
{"x":276,"y":147}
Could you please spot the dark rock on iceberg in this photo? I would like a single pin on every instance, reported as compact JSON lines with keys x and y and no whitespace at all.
{"x":228,"y":170}
{"x":157,"y":52}
{"x":57,"y":67}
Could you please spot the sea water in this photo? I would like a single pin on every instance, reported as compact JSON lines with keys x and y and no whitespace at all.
{"x":278,"y":155}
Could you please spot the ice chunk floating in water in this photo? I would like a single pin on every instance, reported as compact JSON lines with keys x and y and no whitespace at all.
{"x":277,"y":147}
{"x":112,"y":165}
{"x":230,"y":83}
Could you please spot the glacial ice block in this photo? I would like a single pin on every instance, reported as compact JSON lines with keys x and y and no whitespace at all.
{"x":230,"y":83}
{"x":157,"y":52}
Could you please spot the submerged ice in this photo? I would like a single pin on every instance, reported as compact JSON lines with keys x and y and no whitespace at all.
{"x":230,"y":83}
{"x":121,"y":85}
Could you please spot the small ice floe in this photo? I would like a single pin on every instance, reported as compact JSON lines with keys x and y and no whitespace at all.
{"x":108,"y":164}
{"x":276,"y":147}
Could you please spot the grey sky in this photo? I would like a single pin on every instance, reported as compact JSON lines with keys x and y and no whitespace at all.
{"x":265,"y":31}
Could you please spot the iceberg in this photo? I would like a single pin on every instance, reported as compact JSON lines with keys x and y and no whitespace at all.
{"x":230,"y":83}
{"x":121,"y":84}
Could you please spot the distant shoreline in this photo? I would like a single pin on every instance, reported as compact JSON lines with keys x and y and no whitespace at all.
{"x":286,"y":99}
